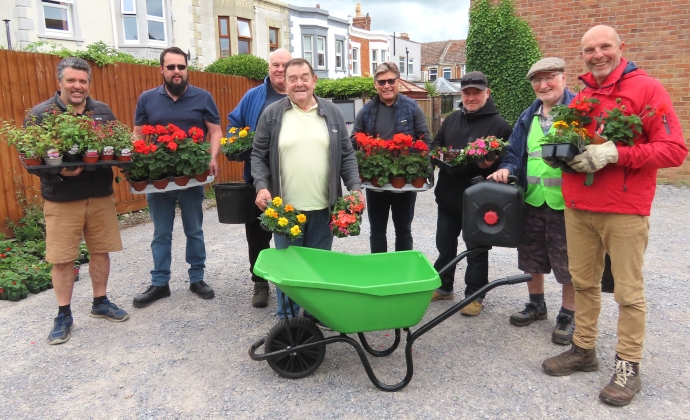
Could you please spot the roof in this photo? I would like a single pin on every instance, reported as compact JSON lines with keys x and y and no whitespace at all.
{"x":411,"y":90}
{"x":443,"y":52}
{"x":446,"y":87}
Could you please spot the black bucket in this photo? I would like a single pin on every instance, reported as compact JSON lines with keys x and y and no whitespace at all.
{"x":235,"y":202}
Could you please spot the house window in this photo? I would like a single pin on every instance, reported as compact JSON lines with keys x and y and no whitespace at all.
{"x":58,"y":16}
{"x":355,"y":61}
{"x":410,"y":66}
{"x":446,"y":73}
{"x":155,"y":21}
{"x":374,"y":61}
{"x":129,"y":20}
{"x":433,"y":74}
{"x":383,"y":56}
{"x":272,"y":39}
{"x":224,"y":35}
{"x":244,"y":36}
{"x":339,"y":55}
{"x":401,"y":66}
{"x":308,"y":49}
{"x":320,"y":52}
{"x":462,"y":71}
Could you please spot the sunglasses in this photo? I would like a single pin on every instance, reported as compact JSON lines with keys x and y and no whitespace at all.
{"x":171,"y":67}
{"x":383,"y":82}
{"x":472,"y":80}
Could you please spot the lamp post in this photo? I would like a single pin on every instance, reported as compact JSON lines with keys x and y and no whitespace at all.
{"x":407,"y":64}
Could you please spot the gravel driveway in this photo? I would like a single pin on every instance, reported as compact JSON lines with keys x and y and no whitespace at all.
{"x":187,"y":358}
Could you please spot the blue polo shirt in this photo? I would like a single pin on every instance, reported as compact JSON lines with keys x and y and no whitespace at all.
{"x":191,"y":109}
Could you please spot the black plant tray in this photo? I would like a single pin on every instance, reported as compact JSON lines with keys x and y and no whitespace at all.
{"x":239,"y":157}
{"x":448,"y":168}
{"x":50,"y":169}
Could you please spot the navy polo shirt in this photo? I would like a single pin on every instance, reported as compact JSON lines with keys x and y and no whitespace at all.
{"x":191,"y":109}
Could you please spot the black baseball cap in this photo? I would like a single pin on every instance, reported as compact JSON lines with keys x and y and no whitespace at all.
{"x":475,"y":79}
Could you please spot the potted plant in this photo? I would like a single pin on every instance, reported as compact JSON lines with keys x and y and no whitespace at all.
{"x":346,"y":218}
{"x":567,"y":135}
{"x":237,"y":146}
{"x":13,"y":285}
{"x":449,"y":160}
{"x":283,"y":219}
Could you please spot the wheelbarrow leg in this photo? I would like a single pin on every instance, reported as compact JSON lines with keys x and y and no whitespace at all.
{"x":381,"y":353}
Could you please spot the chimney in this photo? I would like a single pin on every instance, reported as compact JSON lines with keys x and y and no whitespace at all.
{"x":359,"y":21}
{"x":318,"y":6}
{"x":404,"y":35}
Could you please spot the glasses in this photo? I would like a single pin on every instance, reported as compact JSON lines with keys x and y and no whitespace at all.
{"x":382,"y":82}
{"x":545,"y":79}
{"x":171,"y":67}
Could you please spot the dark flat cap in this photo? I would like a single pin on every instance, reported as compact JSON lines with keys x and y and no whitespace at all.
{"x":546,"y":64}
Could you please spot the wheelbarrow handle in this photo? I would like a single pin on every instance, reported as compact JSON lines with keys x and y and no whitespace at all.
{"x":451,"y":265}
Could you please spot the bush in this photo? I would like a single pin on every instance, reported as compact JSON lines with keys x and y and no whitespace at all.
{"x":98,"y":52}
{"x":345,"y":88}
{"x":245,"y":65}
{"x":501,"y":45}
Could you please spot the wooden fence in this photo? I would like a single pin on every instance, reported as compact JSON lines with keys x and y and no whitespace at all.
{"x":27,"y":79}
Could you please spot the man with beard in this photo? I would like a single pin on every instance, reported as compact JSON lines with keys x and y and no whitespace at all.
{"x":185,"y":106}
{"x":477,"y":118}
{"x":246,"y":114}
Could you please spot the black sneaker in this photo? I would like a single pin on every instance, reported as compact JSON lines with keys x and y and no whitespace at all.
{"x":62,"y":329}
{"x":563,"y":333}
{"x":202,"y":289}
{"x":152,"y":294}
{"x":533,"y":311}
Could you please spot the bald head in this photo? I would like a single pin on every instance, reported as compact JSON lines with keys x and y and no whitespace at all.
{"x":276,"y":68}
{"x":602,"y":51}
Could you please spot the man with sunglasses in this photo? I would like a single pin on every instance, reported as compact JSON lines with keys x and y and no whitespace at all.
{"x":186,"y":106}
{"x":543,"y":244}
{"x":478,"y":117}
{"x":387,"y":114}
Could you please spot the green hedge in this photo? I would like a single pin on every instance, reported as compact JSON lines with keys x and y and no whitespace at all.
{"x":98,"y":52}
{"x":347,"y":87}
{"x":245,"y":65}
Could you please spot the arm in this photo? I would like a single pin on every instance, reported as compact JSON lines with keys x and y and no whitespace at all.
{"x":421,"y":130}
{"x":214,"y":133}
{"x":358,"y":128}
{"x":261,"y":169}
{"x":511,"y":161}
{"x":237,"y":118}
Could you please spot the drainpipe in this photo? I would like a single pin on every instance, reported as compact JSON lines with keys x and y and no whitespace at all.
{"x":114,"y":23}
{"x":9,"y":36}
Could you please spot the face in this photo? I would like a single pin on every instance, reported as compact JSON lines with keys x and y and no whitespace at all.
{"x":387,"y":92}
{"x":549,"y":91}
{"x":74,"y":86}
{"x":276,"y":69}
{"x":300,"y":83}
{"x":474,"y":99}
{"x":175,"y":79}
{"x":601,"y":51}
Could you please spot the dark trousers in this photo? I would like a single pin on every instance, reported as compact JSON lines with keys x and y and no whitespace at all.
{"x":448,"y":229}
{"x":257,"y":240}
{"x":402,"y":206}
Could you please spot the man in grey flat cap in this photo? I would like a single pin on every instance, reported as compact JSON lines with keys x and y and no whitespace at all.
{"x":543,"y":246}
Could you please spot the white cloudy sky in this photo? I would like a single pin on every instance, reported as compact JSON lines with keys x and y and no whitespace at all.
{"x":423,"y":20}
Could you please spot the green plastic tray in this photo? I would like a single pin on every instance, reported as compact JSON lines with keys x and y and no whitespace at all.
{"x":353,"y":293}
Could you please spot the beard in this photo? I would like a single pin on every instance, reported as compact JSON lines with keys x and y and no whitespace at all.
{"x":176,"y":89}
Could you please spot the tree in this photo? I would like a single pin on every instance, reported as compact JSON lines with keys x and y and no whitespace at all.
{"x":431,"y":88}
{"x":502,"y":45}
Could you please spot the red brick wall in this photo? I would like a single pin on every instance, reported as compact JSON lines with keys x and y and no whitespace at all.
{"x":364,"y":60}
{"x":656,"y":34}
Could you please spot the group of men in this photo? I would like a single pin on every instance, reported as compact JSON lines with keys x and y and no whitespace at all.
{"x":302,"y":151}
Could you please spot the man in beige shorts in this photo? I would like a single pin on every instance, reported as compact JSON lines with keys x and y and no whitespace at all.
{"x":78,"y":203}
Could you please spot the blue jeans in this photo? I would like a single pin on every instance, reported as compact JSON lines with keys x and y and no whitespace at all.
{"x":401,"y":204}
{"x":316,"y":234}
{"x":162,"y":209}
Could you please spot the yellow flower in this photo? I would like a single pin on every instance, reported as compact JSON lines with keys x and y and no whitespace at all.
{"x":301,"y":218}
{"x":282,"y":222}
{"x":243,"y":133}
{"x":277,"y":201}
{"x":233,"y":130}
{"x":574,"y":124}
{"x":560,"y":124}
{"x":223,"y":140}
{"x":289,"y":208}
{"x":270,"y":212}
{"x":295,"y":230}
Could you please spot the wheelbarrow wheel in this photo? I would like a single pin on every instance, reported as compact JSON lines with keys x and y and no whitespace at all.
{"x":290,"y":333}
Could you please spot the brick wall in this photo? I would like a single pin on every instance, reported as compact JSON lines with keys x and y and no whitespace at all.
{"x":656,"y":34}
{"x":364,"y":59}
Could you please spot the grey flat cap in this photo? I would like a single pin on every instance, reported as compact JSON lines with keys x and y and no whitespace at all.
{"x":546,"y":64}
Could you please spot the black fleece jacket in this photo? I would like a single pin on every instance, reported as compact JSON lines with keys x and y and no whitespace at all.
{"x":457,"y":130}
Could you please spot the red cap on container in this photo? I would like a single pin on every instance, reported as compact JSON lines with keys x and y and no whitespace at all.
{"x":491,"y":218}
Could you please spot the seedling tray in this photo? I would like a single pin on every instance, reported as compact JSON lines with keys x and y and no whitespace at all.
{"x":50,"y":169}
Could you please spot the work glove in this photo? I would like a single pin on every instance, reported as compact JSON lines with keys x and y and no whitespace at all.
{"x":595,"y":157}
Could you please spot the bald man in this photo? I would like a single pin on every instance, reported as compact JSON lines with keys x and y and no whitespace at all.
{"x":246,"y":114}
{"x":611,"y":215}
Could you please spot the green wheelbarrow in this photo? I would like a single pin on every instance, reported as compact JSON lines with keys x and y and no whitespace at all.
{"x":352,"y":294}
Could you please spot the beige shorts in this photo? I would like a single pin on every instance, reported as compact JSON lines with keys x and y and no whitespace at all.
{"x":94,"y":219}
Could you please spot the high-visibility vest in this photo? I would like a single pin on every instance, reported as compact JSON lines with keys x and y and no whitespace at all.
{"x":543,"y":181}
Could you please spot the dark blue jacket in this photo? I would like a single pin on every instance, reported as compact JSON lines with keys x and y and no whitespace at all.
{"x":409,"y":119}
{"x":515,"y":159}
{"x":246,"y":114}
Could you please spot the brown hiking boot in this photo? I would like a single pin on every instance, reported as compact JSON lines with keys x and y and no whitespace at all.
{"x":570,"y":361}
{"x":260,"y":298}
{"x":625,"y":383}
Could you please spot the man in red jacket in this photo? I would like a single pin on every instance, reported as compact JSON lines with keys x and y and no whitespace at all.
{"x":611,"y":214}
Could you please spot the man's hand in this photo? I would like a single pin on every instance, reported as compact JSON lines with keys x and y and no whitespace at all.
{"x":71,"y":172}
{"x":595,"y":157}
{"x":360,"y":196}
{"x":500,"y":175}
{"x":261,"y":198}
{"x":486,"y":164}
{"x":213,"y":166}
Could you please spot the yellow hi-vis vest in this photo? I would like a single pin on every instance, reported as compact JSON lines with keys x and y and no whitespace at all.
{"x":543,"y":181}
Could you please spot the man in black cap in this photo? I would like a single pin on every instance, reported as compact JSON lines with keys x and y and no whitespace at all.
{"x":478,"y":117}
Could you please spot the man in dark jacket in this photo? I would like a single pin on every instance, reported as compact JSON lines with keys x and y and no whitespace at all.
{"x":478,"y":117}
{"x":387,"y":114}
{"x":543,"y":244}
{"x":78,"y":203}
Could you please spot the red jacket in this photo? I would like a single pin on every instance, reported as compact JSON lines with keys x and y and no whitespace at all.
{"x":628,"y":186}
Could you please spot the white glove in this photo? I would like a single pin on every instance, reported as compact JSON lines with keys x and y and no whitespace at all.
{"x":595,"y":157}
